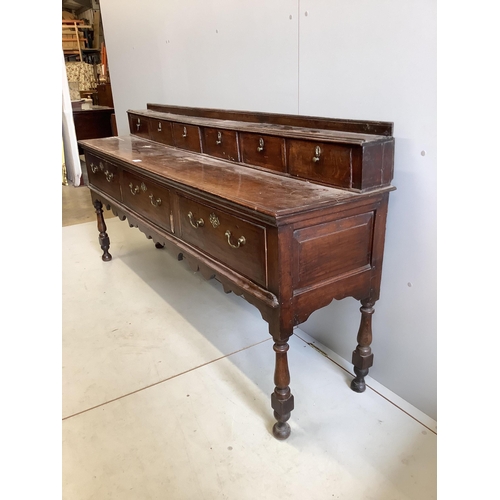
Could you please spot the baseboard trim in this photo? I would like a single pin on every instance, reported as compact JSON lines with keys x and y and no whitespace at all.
{"x":371,"y":383}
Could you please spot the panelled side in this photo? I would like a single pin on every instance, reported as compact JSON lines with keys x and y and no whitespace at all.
{"x":373,"y":165}
{"x":337,"y":256}
{"x":325,"y":252}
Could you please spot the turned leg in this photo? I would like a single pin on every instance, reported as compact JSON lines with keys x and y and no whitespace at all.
{"x":362,"y":357}
{"x":103,"y":236}
{"x":281,"y":398}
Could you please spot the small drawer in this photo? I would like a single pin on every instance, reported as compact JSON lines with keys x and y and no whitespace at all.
{"x":161,"y":131}
{"x":263,"y":150}
{"x":139,"y":125}
{"x":220,"y":143}
{"x":103,"y":175}
{"x":186,"y":137}
{"x":239,"y":244}
{"x":148,"y":199}
{"x":321,"y":162}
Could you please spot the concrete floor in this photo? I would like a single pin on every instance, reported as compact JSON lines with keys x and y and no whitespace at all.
{"x":167,"y":383}
{"x":77,"y":206}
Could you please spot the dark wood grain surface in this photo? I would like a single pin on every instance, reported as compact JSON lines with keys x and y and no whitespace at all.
{"x":93,"y":123}
{"x":266,"y":192}
{"x":358,"y":126}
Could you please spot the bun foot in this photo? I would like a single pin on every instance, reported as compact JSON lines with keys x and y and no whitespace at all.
{"x":358,"y":383}
{"x":159,"y":246}
{"x":106,"y":257}
{"x":281,"y":430}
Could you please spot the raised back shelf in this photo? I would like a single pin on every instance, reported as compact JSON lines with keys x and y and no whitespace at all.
{"x":346,"y":154}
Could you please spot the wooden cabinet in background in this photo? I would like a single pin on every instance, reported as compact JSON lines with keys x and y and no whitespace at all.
{"x":94,"y":123}
{"x":104,"y":95}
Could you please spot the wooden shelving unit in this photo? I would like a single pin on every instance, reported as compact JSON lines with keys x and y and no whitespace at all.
{"x":74,"y":40}
{"x":71,"y":36}
{"x":82,"y":41}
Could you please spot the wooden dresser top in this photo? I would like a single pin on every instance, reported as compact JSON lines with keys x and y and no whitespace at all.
{"x":265,"y":192}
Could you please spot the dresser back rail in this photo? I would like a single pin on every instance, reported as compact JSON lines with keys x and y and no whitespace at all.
{"x":359,"y":126}
{"x":347,"y":157}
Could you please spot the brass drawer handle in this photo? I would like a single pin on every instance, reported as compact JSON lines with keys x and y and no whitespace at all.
{"x":318,"y":153}
{"x":241,"y":240}
{"x":159,"y":126}
{"x":138,"y":125}
{"x":195,"y":223}
{"x":219,"y":138}
{"x":133,"y":190}
{"x":261,"y":145}
{"x":109,"y":176}
{"x":185,"y":132}
{"x":155,"y":203}
{"x":94,"y":168}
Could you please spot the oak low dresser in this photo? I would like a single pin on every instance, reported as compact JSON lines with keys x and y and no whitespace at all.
{"x":288,"y":212}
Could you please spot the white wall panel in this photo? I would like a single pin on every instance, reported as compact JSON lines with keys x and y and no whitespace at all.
{"x":130,"y":30}
{"x":232,"y":55}
{"x":209,"y":53}
{"x":376,"y":60}
{"x":359,"y":59}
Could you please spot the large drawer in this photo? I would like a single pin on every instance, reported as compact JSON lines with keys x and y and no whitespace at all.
{"x":103,"y":175}
{"x":148,"y":199}
{"x":238,"y":243}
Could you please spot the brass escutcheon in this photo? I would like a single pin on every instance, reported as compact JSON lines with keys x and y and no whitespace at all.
{"x":214,"y":220}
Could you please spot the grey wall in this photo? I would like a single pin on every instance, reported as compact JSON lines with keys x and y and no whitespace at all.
{"x":336,"y":58}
